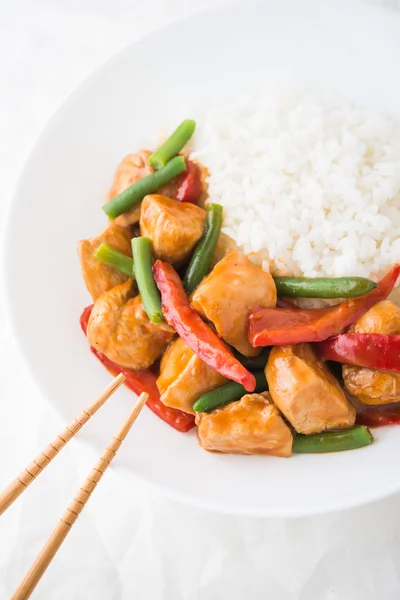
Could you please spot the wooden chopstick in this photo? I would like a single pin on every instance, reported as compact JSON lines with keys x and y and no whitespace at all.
{"x":16,"y":487}
{"x":59,"y":534}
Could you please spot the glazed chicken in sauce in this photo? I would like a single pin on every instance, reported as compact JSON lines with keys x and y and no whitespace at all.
{"x":132,"y":168}
{"x":184,"y":377}
{"x":252,"y":425}
{"x":173,"y":227}
{"x":185,"y":314}
{"x":372,"y":386}
{"x":100,"y":278}
{"x":305,"y":391}
{"x":228,"y":293}
{"x":120,"y":328}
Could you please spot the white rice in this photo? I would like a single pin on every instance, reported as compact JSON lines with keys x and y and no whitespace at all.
{"x":310,"y":187}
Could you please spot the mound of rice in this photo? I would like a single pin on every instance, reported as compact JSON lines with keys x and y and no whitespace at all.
{"x":309,"y":187}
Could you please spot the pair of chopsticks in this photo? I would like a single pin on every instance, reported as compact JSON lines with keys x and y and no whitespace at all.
{"x":16,"y":487}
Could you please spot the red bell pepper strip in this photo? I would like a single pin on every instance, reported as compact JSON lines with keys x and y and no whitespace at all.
{"x":376,"y":416}
{"x":143,"y":381}
{"x":198,"y":336}
{"x":189,"y":184}
{"x":372,"y":350}
{"x":280,"y":326}
{"x":84,"y":318}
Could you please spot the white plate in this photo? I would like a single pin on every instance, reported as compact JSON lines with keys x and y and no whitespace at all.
{"x":343,"y":47}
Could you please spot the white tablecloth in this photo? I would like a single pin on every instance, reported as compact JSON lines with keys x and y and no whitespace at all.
{"x":135,"y":544}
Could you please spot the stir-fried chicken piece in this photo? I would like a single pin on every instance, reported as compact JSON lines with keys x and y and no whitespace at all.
{"x":306,"y":392}
{"x":225,"y":245}
{"x":132,"y":168}
{"x":119,"y":328}
{"x":100,"y":278}
{"x":184,"y":377}
{"x":225,"y":297}
{"x":173,"y":227}
{"x":384,"y":317}
{"x":371,"y":386}
{"x":252,"y":425}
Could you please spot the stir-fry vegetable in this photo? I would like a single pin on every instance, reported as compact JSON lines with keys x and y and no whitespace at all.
{"x":251,"y":425}
{"x":333,"y":441}
{"x":323,"y":287}
{"x":227,"y":393}
{"x":199,"y":337}
{"x":143,"y":381}
{"x":141,"y":251}
{"x":281,"y":326}
{"x":173,"y":145}
{"x":253,"y":363}
{"x":203,"y":332}
{"x":203,"y":253}
{"x":371,"y":350}
{"x":115,"y":259}
{"x":189,"y":186}
{"x":377,"y":416}
{"x":148,"y":185}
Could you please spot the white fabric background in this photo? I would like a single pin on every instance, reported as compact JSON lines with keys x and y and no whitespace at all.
{"x":131,"y":543}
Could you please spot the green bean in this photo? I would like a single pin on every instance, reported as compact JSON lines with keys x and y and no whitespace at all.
{"x":173,"y":145}
{"x":227,"y":393}
{"x":114,"y":259}
{"x":203,"y":253}
{"x":333,"y":441}
{"x":323,"y":287}
{"x":141,"y":250}
{"x":148,"y":185}
{"x":254,"y":363}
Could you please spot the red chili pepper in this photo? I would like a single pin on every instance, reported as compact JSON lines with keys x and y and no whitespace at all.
{"x":84,"y":318}
{"x":372,"y":350}
{"x":198,"y":336}
{"x":376,"y":416}
{"x":189,"y":186}
{"x":280,"y":326}
{"x":143,"y":381}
